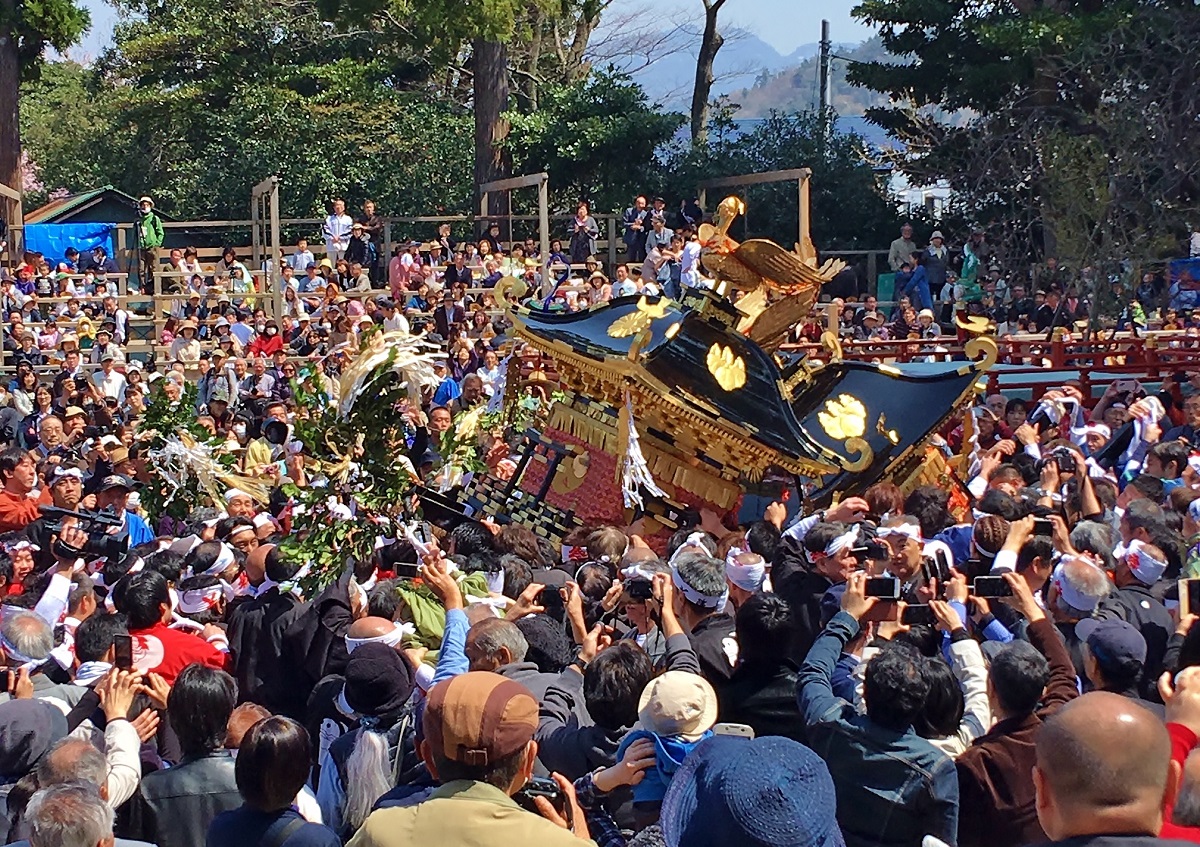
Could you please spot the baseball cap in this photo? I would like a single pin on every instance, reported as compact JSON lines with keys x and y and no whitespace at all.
{"x":116,"y":481}
{"x":1112,"y":641}
{"x":678,"y":703}
{"x":479,"y":718}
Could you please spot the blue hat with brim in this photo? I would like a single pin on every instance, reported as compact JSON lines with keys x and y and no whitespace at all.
{"x":768,"y":792}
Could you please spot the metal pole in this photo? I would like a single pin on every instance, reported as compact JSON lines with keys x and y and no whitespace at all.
{"x":826,"y":49}
{"x":544,"y":233}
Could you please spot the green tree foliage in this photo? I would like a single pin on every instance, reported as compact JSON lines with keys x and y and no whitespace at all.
{"x":61,"y":116}
{"x":1039,"y":81}
{"x":849,"y":203}
{"x":27,"y":29}
{"x":597,"y":138}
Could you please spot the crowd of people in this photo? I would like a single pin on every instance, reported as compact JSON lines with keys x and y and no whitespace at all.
{"x":1010,"y":666}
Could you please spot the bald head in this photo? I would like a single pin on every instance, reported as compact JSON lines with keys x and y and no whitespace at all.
{"x":370,"y":627}
{"x":1103,"y":766}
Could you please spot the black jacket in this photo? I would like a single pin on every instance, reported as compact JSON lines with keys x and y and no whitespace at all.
{"x":174,"y":807}
{"x":1136,"y":605}
{"x":764,"y":699}
{"x":256,"y":632}
{"x":715,"y":643}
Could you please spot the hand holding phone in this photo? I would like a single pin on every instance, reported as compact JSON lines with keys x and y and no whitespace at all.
{"x":990,"y":587}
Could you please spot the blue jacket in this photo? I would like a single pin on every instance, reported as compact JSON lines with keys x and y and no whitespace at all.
{"x":893,"y":788}
{"x":917,"y":289}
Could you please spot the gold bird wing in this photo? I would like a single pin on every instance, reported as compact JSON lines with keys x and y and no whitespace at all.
{"x":729,"y":268}
{"x":751,"y":306}
{"x":781,"y":267}
{"x":772,"y":326}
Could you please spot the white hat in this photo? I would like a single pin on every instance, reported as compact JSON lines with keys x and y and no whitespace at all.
{"x":678,"y":703}
{"x":925,"y":313}
{"x":937,"y":233}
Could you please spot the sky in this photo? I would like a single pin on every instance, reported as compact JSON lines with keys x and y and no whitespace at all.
{"x":774,"y":21}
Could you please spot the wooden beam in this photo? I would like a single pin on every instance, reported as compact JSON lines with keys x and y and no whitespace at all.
{"x":528,"y":181}
{"x":757,"y":179}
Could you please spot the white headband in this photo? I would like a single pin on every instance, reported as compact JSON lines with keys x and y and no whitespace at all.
{"x":391,"y":639}
{"x":708,"y":601}
{"x":198,"y":600}
{"x":1145,"y":567}
{"x":696,"y":539}
{"x":23,"y":544}
{"x":908,"y":530}
{"x":843,"y":542}
{"x":224,"y":560}
{"x":748,"y":577}
{"x":636,"y":571}
{"x":234,"y":493}
{"x":1071,"y":595}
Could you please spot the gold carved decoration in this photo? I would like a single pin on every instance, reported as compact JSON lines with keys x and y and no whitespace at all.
{"x":844,"y":417}
{"x":982,"y":347}
{"x":571,"y":474}
{"x":865,"y":455}
{"x":728,"y":369}
{"x":634,"y":322}
{"x":831,"y":342}
{"x":881,"y":428}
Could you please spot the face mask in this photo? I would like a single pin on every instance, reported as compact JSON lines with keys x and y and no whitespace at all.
{"x":260,"y":326}
{"x":327,"y":326}
{"x":271,"y":330}
{"x":239,"y":430}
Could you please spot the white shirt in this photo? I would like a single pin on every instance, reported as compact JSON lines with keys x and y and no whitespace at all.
{"x":337,"y":232}
{"x":396,"y":323}
{"x":690,"y":263}
{"x":111,"y":384}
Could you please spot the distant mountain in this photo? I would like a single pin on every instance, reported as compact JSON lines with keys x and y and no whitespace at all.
{"x":796,"y":88}
{"x":668,"y":79}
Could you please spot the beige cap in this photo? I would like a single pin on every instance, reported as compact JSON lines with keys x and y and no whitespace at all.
{"x":678,"y":703}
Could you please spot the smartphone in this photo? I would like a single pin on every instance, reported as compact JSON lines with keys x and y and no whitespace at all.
{"x":991,"y":586}
{"x":123,"y":652}
{"x":943,"y":565}
{"x":407,"y":570}
{"x":550,"y":598}
{"x":1043,"y":526}
{"x":1189,"y":597}
{"x":916,"y":615}
{"x":738,"y":730}
{"x":883,"y":587}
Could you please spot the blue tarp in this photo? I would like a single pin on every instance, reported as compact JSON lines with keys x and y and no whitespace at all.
{"x":52,"y":240}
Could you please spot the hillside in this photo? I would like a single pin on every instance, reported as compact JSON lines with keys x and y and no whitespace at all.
{"x":795,"y":88}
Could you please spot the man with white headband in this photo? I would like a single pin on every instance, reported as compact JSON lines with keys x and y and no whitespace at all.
{"x":1140,"y":565}
{"x":1076,"y":587}
{"x":746,"y":574}
{"x":903,"y":537}
{"x":239,"y":504}
{"x":829,"y":547}
{"x":699,"y":598}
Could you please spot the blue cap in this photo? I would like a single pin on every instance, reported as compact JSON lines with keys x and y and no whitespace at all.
{"x":1112,"y":642}
{"x":769,"y":792}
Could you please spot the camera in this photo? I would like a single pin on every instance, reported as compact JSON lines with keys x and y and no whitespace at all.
{"x":639,"y":590}
{"x":871,"y":550}
{"x":540,"y":786}
{"x":1064,"y":457}
{"x":991,"y":586}
{"x":96,"y":524}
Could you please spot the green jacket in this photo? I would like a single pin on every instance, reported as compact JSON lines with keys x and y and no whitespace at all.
{"x":150,"y":236}
{"x":463,"y":812}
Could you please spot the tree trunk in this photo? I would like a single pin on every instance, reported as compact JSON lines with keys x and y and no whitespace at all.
{"x":710,"y":43}
{"x":10,"y":83}
{"x":492,"y":161}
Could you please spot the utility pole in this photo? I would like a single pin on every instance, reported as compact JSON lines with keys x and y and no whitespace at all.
{"x":826,"y":53}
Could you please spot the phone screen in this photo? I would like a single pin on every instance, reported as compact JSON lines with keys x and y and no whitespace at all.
{"x":123,"y":652}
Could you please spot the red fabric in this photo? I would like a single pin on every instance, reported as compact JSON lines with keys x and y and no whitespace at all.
{"x":1182,"y":742}
{"x":17,"y":511}
{"x":266,"y":346}
{"x":166,"y":652}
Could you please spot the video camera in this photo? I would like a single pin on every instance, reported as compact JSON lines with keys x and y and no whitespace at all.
{"x":1063,"y":456}
{"x":100,"y":543}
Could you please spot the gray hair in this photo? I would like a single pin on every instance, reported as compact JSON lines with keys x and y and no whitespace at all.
{"x":490,"y":636}
{"x":73,"y":760}
{"x":1088,"y":580}
{"x":1187,"y":804}
{"x":27,"y":634}
{"x":703,"y":573}
{"x":70,"y":815}
{"x":1094,"y":538}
